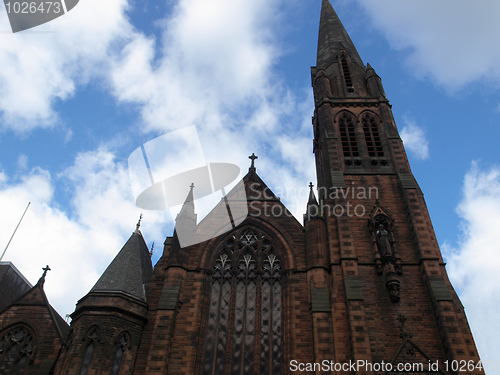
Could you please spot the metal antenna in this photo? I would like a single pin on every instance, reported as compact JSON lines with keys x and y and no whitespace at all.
{"x":15,"y":231}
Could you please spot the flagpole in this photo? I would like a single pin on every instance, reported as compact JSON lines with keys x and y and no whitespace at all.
{"x":15,"y":231}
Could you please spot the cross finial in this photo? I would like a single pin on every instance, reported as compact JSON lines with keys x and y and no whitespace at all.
{"x":138,"y":223}
{"x":42,"y":279}
{"x":192,"y":185}
{"x":311,"y":185}
{"x":253,"y":157}
{"x":47,"y":268}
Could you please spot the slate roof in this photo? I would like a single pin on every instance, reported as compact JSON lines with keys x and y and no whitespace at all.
{"x":332,"y":38}
{"x":12,"y":284}
{"x":129,"y":271}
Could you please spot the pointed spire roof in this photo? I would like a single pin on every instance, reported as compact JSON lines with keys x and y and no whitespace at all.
{"x":312,"y":210}
{"x":187,"y":210}
{"x":129,"y":271}
{"x":333,"y":38}
{"x":312,"y":196}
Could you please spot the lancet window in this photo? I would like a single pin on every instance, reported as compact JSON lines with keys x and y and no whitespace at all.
{"x":92,"y":337}
{"x":16,"y":349}
{"x":245,"y":310}
{"x":372,"y":136}
{"x":122,"y":345}
{"x":348,"y":137}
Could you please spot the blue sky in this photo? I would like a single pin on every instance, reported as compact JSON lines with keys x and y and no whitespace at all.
{"x":79,"y":94}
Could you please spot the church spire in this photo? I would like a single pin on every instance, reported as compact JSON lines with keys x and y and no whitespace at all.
{"x":312,"y":205}
{"x":333,"y":38}
{"x":186,"y":220}
{"x":187,"y":210}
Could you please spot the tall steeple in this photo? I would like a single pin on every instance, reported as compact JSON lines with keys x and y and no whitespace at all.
{"x":333,"y":38}
{"x":386,"y":260}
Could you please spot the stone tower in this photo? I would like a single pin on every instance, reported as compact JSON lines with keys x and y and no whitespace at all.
{"x":390,"y":297}
{"x":359,"y":287}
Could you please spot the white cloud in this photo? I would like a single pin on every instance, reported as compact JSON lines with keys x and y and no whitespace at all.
{"x":216,"y":60}
{"x":47,"y":64}
{"x":216,"y":71}
{"x":79,"y":244}
{"x":414,"y":139}
{"x":22,"y":161}
{"x":473,"y":265}
{"x":452,"y":42}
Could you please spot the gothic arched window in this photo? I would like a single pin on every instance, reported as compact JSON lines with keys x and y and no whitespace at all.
{"x":348,"y":137}
{"x":372,"y":136}
{"x":91,"y":339}
{"x":246,"y":284}
{"x":16,"y":349}
{"x":122,"y":345}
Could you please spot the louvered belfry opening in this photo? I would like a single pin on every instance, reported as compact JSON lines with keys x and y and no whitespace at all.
{"x":372,"y":136}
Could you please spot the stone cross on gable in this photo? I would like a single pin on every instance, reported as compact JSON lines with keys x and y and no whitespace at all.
{"x":253,"y":157}
{"x":311,"y":185}
{"x":45,"y":269}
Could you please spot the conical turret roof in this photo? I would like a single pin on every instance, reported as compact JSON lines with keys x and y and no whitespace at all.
{"x":129,"y":271}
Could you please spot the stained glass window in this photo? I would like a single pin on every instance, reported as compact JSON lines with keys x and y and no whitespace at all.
{"x":16,"y":349}
{"x":246,"y":283}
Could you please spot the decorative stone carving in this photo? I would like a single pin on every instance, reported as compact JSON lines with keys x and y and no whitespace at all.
{"x":387,"y":262}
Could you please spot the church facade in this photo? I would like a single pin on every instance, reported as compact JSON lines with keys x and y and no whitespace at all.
{"x":344,"y":292}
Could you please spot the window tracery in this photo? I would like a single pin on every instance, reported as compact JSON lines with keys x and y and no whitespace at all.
{"x":239,"y":296}
{"x":16,"y":349}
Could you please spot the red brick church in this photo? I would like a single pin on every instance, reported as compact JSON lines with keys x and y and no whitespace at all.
{"x":340,"y":293}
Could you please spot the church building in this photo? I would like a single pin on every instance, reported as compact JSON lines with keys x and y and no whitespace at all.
{"x":346,"y":291}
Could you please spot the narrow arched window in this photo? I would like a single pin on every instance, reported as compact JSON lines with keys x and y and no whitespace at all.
{"x":271,"y":340}
{"x":16,"y":349}
{"x":244,"y":316}
{"x":92,"y":336}
{"x":347,"y":73}
{"x":122,"y":345}
{"x":218,"y":316}
{"x":372,"y":137}
{"x":250,"y":313}
{"x":348,"y":137}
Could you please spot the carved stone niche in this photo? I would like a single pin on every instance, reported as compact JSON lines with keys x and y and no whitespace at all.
{"x":384,"y":246}
{"x":387,"y":262}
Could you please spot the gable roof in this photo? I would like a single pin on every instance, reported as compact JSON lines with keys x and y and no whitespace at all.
{"x":12,"y":284}
{"x":36,"y":296}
